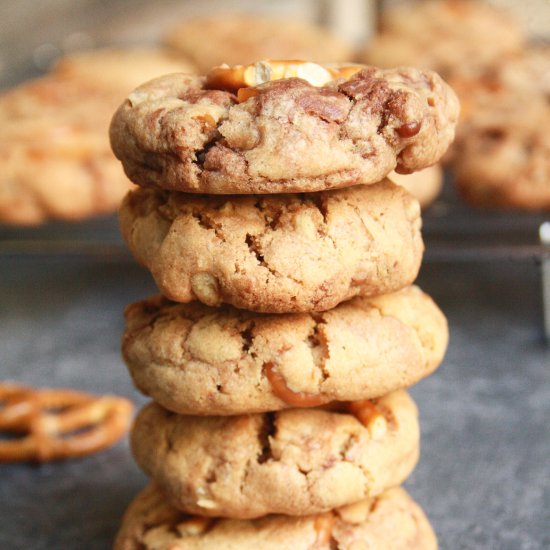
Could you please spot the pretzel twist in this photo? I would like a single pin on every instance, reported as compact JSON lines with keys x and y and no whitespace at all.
{"x":240,"y":77}
{"x":58,"y":423}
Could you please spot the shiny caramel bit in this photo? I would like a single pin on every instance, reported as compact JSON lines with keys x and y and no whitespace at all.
{"x":246,"y":93}
{"x":370,"y":416}
{"x":238,"y":77}
{"x":409,"y":130}
{"x":280,"y":388}
{"x":344,"y":71}
{"x":324,"y":524}
{"x":207,"y":120}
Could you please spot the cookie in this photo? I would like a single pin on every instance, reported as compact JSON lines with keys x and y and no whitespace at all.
{"x":55,"y":158}
{"x":196,"y":360}
{"x":526,"y":72}
{"x":242,"y":39}
{"x":506,"y":166}
{"x":391,"y":521}
{"x":502,"y":154}
{"x":425,"y":185}
{"x":509,"y":86}
{"x":184,"y":133}
{"x":294,"y":462}
{"x":446,"y":36}
{"x":122,"y":69}
{"x":276,"y":253}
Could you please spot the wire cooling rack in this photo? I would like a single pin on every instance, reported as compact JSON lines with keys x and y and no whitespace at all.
{"x":453,"y":232}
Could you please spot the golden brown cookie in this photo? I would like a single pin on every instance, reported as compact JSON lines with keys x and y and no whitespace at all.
{"x":193,"y":359}
{"x":444,"y":35}
{"x":425,"y":185}
{"x":244,"y":38}
{"x":505,"y":167}
{"x":122,"y":69}
{"x":185,"y":133}
{"x":55,"y":158}
{"x":391,"y":521}
{"x":295,"y":462}
{"x":276,"y":253}
{"x":502,"y":154}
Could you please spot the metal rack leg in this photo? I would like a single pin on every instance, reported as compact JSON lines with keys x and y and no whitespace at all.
{"x":354,"y":20}
{"x":544,"y":234}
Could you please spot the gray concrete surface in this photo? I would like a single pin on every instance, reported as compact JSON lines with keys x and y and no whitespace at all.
{"x":484,"y":475}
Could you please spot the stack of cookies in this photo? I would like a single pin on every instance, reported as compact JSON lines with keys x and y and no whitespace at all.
{"x":287,"y":330}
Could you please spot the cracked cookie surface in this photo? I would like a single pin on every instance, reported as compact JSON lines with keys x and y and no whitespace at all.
{"x":294,"y":462}
{"x":276,"y":253}
{"x":55,"y":158}
{"x":197,"y":360}
{"x":391,"y":521}
{"x":287,"y":135}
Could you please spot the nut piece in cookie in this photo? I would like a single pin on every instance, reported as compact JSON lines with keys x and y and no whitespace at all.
{"x":276,"y":253}
{"x":286,"y":134}
{"x":391,"y":521}
{"x":294,"y":462}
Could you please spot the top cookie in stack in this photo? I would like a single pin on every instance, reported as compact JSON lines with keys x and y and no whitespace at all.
{"x":271,"y":128}
{"x":276,"y":127}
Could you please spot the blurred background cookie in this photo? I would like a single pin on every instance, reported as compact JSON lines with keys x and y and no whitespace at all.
{"x":242,"y":39}
{"x":443,"y":35}
{"x":424,"y":185}
{"x":121,"y":69}
{"x":501,"y":156}
{"x":55,"y":157}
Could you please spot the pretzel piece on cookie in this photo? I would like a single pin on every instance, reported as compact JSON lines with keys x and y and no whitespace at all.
{"x":238,"y":77}
{"x":57,"y":424}
{"x":371,"y":416}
